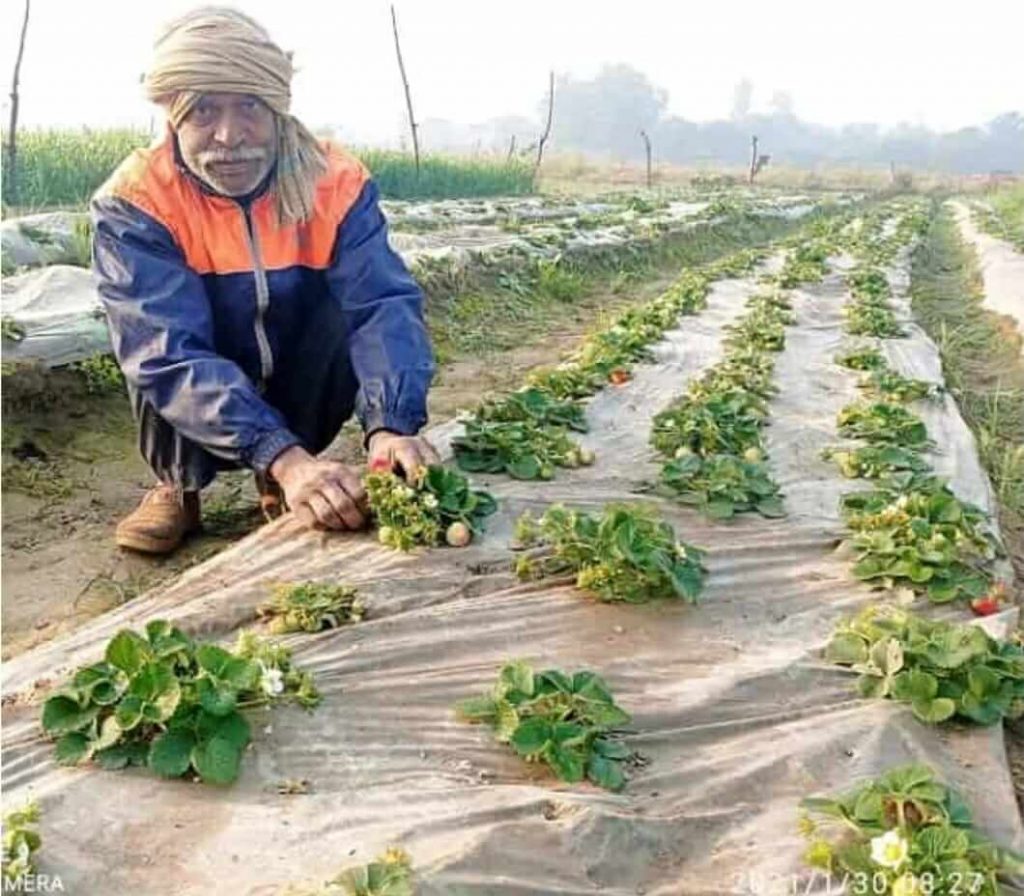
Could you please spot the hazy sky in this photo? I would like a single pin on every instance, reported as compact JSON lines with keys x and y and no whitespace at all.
{"x":944,"y":66}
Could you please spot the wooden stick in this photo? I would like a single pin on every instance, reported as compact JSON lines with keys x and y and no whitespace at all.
{"x":12,"y":128}
{"x":408,"y":96}
{"x":647,"y":146}
{"x":547,"y":128}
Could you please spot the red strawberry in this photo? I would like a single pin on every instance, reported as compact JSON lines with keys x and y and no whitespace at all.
{"x":991,"y":602}
{"x":985,"y":606}
{"x":619,"y":376}
{"x":380,"y":465}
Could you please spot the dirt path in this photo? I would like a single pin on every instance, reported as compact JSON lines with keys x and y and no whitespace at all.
{"x":1001,"y":269}
{"x":79,"y":472}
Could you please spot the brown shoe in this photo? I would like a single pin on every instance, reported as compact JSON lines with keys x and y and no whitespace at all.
{"x":161,"y":522}
{"x":272,"y":501}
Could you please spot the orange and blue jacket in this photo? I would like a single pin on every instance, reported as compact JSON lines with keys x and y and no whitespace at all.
{"x":205,"y":295}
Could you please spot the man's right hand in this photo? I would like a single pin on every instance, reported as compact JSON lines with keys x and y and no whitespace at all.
{"x":322,"y":493}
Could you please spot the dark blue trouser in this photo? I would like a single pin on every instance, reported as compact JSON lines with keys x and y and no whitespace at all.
{"x":314,"y":389}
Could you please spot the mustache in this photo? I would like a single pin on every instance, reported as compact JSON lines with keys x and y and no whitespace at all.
{"x":242,"y":154}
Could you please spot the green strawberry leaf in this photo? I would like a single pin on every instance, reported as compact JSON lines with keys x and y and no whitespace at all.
{"x":170,"y":754}
{"x":62,"y":714}
{"x":217,"y":760}
{"x":605,"y":772}
{"x":73,"y":748}
{"x":128,"y":652}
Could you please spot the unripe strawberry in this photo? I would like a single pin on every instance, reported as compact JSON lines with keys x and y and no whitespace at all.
{"x":458,"y":535}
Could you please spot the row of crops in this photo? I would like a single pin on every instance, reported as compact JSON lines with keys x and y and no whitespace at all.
{"x":179,"y":707}
{"x":58,"y":168}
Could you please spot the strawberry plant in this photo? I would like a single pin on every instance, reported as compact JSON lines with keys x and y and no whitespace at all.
{"x":941,"y":669}
{"x":862,"y":359}
{"x":869,"y":312}
{"x":167,"y":702}
{"x":524,"y":450}
{"x":735,"y":265}
{"x":624,"y":343}
{"x":869,"y":283}
{"x":912,"y":530}
{"x":438,"y":507}
{"x":568,"y":381}
{"x":807,"y":263}
{"x":310,"y":607}
{"x":722,"y":485}
{"x":705,"y":422}
{"x":906,"y":834}
{"x":388,"y":875}
{"x":627,"y":553}
{"x":875,"y":461}
{"x":889,"y":385}
{"x":21,"y":841}
{"x":744,"y":367}
{"x":567,"y":721}
{"x":883,"y":423}
{"x":534,"y":405}
{"x":712,"y":436}
{"x":870,"y":319}
{"x":763,"y":326}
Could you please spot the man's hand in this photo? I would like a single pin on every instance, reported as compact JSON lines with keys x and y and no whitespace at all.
{"x":322,"y":493}
{"x":388,"y":450}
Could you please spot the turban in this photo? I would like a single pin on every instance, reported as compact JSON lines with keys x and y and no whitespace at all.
{"x":217,"y":49}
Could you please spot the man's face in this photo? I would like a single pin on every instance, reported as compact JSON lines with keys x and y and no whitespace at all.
{"x":229,"y":140}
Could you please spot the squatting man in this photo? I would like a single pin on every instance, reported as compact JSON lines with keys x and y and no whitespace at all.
{"x":253,"y":301}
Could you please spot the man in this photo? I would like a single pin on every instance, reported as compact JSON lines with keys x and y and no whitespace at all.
{"x":252,"y":297}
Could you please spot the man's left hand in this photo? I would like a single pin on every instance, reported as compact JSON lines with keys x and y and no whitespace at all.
{"x":389,"y":450}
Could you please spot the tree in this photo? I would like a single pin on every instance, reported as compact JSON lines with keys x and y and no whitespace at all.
{"x":742,"y":96}
{"x":782,"y":104}
{"x":604,"y":114}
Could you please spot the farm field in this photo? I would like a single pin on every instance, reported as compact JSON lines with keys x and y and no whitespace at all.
{"x":748,"y":530}
{"x":66,"y":484}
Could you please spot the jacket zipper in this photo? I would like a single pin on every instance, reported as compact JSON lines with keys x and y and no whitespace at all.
{"x":262,"y":301}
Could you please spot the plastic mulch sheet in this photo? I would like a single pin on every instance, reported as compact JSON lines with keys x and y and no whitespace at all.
{"x":735,"y":711}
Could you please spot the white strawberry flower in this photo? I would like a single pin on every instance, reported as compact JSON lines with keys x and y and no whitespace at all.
{"x":430,"y":502}
{"x":889,"y":850}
